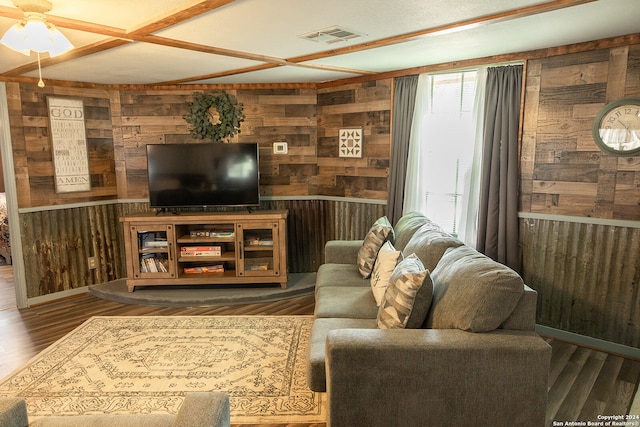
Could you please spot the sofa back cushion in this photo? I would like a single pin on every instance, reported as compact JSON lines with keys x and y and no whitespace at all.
{"x":430,"y":242}
{"x":472,"y":292}
{"x":406,"y":226}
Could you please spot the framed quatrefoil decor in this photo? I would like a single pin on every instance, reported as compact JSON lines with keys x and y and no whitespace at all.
{"x":350,"y":142}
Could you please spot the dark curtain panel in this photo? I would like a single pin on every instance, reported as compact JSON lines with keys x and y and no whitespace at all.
{"x":404,"y":97}
{"x":498,"y":210}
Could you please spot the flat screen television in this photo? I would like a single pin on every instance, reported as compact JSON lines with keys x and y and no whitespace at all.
{"x":203,"y":175}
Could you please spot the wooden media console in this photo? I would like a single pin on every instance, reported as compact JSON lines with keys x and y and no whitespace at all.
{"x":206,"y":248}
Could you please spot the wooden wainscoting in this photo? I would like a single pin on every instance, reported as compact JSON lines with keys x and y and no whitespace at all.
{"x":587,"y":276}
{"x":56,"y":243}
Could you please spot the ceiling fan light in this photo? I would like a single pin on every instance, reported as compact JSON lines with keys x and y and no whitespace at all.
{"x":14,"y":39}
{"x":34,"y":33}
{"x":61,"y":44}
{"x":37,"y":35}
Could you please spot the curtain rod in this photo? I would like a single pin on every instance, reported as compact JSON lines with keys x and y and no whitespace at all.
{"x":476,"y":67}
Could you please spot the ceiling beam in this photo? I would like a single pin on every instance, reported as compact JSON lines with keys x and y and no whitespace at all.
{"x":217,"y":75}
{"x":178,"y":16}
{"x":86,"y":50}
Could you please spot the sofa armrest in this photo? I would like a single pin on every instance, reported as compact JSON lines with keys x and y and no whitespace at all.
{"x":204,"y":409}
{"x":445,"y":377}
{"x":13,"y":412}
{"x":341,"y":251}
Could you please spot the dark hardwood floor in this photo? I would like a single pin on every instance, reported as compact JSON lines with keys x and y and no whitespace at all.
{"x":583,"y":383}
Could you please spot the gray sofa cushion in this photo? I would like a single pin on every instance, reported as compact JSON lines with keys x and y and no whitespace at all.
{"x":330,"y":275}
{"x":125,"y":420}
{"x":472,"y":292}
{"x":345,"y":301}
{"x":523,"y":317}
{"x":406,"y":226}
{"x":13,"y":412}
{"x":204,"y":409}
{"x":408,"y":297}
{"x":316,"y":372}
{"x":380,"y":232}
{"x":342,"y":251}
{"x":429,"y":242}
{"x":198,"y":409}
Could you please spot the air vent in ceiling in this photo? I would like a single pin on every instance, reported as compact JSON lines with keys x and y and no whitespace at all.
{"x":330,"y":35}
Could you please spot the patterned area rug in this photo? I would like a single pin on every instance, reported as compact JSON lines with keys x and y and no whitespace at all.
{"x":146,"y":365}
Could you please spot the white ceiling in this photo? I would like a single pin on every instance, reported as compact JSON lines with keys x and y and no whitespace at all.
{"x":240,"y":34}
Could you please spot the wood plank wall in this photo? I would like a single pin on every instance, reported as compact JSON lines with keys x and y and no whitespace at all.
{"x":587,"y":275}
{"x":274,"y":115}
{"x":283,"y":115}
{"x":366,"y":105}
{"x":121,"y":123}
{"x":35,"y":181}
{"x":563,"y":171}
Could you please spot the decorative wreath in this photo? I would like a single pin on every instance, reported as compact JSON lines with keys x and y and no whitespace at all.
{"x":229,"y":111}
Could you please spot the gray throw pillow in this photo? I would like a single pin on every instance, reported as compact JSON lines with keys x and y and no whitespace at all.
{"x":408,"y":297}
{"x":472,"y":292}
{"x":379,"y":232}
{"x":386,"y":262}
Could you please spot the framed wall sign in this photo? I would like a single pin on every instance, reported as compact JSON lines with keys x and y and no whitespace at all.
{"x":350,"y":142}
{"x":69,"y":145}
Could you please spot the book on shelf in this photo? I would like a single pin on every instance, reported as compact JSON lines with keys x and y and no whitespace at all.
{"x":219,"y":268}
{"x":211,"y":233}
{"x":201,"y":248}
{"x":155,"y":244}
{"x":201,"y":251}
{"x":258,"y":241}
{"x":257,"y":267}
{"x":153,"y":265}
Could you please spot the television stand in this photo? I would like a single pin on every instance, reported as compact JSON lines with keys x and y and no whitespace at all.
{"x":206,"y":248}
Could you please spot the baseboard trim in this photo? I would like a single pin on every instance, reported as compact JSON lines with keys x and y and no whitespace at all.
{"x":56,"y":296}
{"x":590,"y":342}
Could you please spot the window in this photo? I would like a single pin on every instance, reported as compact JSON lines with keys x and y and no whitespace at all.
{"x":449,"y":147}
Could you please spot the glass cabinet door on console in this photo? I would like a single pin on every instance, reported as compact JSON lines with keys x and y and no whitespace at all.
{"x":154,"y":246}
{"x":257,"y":243}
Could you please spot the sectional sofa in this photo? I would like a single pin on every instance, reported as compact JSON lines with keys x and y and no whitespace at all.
{"x":412,"y":327}
{"x":201,"y":409}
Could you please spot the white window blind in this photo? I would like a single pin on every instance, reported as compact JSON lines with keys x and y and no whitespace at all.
{"x":449,"y":153}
